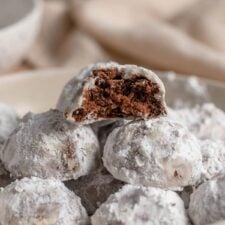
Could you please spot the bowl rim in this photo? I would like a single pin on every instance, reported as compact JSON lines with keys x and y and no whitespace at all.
{"x":36,"y":7}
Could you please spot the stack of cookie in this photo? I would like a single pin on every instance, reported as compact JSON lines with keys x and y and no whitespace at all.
{"x":125,"y":156}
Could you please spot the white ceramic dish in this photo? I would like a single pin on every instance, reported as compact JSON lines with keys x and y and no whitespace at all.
{"x":19,"y":24}
{"x":38,"y":91}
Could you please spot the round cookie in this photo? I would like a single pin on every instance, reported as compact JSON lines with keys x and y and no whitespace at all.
{"x":207,"y":204}
{"x":205,"y":122}
{"x":134,"y":205}
{"x":105,"y":91}
{"x":47,"y":145}
{"x":157,"y":152}
{"x":34,"y":201}
{"x":94,"y":189}
{"x":213,"y":158}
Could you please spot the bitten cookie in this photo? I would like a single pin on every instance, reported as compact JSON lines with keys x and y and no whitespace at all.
{"x":207,"y":204}
{"x":134,"y":205}
{"x":157,"y":152}
{"x":47,"y":145}
{"x":40,"y":202}
{"x":109,"y":90}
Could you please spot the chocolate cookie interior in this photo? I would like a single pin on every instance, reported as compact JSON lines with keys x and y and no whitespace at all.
{"x":113,"y":96}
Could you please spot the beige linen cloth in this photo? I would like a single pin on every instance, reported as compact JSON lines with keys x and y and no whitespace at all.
{"x":185,"y":36}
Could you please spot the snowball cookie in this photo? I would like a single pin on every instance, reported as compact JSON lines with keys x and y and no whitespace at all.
{"x":207,"y":204}
{"x":110,"y":90}
{"x":47,"y":145}
{"x":136,"y":205}
{"x":213,"y":157}
{"x":94,"y":189}
{"x":205,"y":122}
{"x":154,"y":152}
{"x":8,"y":121}
{"x":34,"y":201}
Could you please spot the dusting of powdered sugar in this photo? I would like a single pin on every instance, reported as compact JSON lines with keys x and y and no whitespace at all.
{"x":195,"y":92}
{"x":192,"y":90}
{"x":207,"y":204}
{"x":157,"y":152}
{"x":135,"y":205}
{"x":40,"y":202}
{"x":47,"y":145}
{"x":213,"y":158}
{"x":195,"y":85}
{"x":8,"y":121}
{"x":204,"y":121}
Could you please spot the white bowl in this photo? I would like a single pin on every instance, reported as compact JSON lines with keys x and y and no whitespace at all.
{"x":38,"y":91}
{"x":19,"y":24}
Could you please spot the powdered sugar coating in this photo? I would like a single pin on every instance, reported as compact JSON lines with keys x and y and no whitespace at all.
{"x":213,"y":158}
{"x":135,"y":205}
{"x":8,"y":121}
{"x":71,"y":97}
{"x":155,"y":152}
{"x":207,"y":204}
{"x":40,"y":202}
{"x":205,"y":122}
{"x":47,"y":145}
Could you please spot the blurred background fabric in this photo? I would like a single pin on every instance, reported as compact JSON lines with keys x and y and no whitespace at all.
{"x":185,"y":36}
